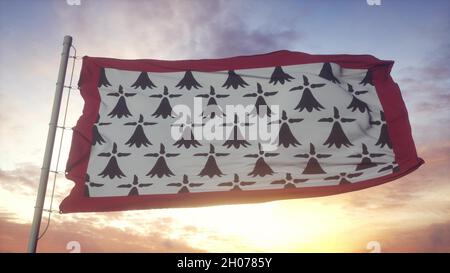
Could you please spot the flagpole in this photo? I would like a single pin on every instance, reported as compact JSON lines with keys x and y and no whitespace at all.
{"x":38,"y":208}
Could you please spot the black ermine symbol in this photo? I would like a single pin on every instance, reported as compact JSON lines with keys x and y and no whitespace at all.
{"x":184,"y":185}
{"x":307,"y":101}
{"x":121,"y":108}
{"x":278,"y":75}
{"x":392,"y":166}
{"x":337,"y":136}
{"x":188,"y":81}
{"x":285,"y":136}
{"x":134,"y":186}
{"x":261,"y":167}
{"x":89,"y":184}
{"x":143,"y":81}
{"x":261,"y":107}
{"x":236,"y":184}
{"x":313,"y":165}
{"x":288,"y":182}
{"x":343,"y":177}
{"x":138,"y":138}
{"x":383,"y":138}
{"x":357,"y":103}
{"x":97,"y":138}
{"x":366,"y":158}
{"x":327,"y":73}
{"x":160,"y":168}
{"x":367,"y":78}
{"x":112,"y":169}
{"x":234,"y":80}
{"x":236,"y":139}
{"x":164,"y":109}
{"x":211,"y":168}
{"x":187,"y":136}
{"x":212,"y":109}
{"x":102,"y":80}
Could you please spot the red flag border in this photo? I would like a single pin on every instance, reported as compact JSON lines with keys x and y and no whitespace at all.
{"x":388,"y":92}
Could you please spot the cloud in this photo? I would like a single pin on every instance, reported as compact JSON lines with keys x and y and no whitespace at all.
{"x":436,"y":66}
{"x":440,"y":101}
{"x":13,"y":238}
{"x":426,"y":89}
{"x":431,"y":238}
{"x":175,"y":29}
{"x":23,"y":179}
{"x":235,"y":40}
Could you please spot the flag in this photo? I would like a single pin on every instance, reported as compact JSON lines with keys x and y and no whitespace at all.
{"x":282,"y":125}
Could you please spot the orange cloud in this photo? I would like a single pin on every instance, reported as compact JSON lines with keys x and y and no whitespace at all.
{"x":431,"y":238}
{"x":415,"y":204}
{"x":14,"y":236}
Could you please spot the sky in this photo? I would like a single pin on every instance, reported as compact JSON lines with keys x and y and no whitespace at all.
{"x":411,"y":214}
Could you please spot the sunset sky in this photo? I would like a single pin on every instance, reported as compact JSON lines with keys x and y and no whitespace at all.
{"x":411,"y":214}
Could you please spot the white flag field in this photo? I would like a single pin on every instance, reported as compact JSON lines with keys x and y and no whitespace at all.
{"x":282,"y":125}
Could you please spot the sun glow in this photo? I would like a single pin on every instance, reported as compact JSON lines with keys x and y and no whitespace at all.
{"x":284,"y":226}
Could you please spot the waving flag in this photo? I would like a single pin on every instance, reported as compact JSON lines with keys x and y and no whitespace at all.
{"x":282,"y":125}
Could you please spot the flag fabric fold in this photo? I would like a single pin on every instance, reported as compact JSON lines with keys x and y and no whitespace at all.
{"x":282,"y":125}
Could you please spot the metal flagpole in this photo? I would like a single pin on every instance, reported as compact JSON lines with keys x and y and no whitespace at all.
{"x":32,"y":243}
